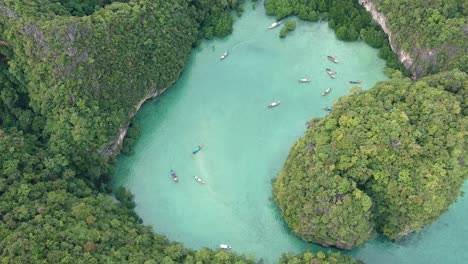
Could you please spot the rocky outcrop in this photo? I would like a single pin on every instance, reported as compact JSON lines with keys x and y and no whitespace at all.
{"x":419,"y":52}
{"x":5,"y":11}
{"x":114,"y":147}
{"x":378,"y":17}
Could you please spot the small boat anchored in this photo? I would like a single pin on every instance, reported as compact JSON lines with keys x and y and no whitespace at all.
{"x":174,"y":176}
{"x":304,"y":80}
{"x":224,"y":246}
{"x":200,"y":180}
{"x":331,"y":73}
{"x":274,"y":104}
{"x":355,"y":82}
{"x":225,"y":54}
{"x":327,"y":108}
{"x":326,"y":92}
{"x":275,"y":24}
{"x":197,"y":148}
{"x":332,"y":59}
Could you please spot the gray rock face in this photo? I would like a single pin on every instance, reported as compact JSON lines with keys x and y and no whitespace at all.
{"x":418,"y":60}
{"x":378,"y":17}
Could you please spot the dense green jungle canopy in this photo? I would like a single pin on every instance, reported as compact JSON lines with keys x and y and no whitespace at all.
{"x":71,"y":73}
{"x":319,"y":258}
{"x":433,"y":32}
{"x":391,"y":159}
{"x":365,"y":168}
{"x":422,"y":27}
{"x":348,"y":18}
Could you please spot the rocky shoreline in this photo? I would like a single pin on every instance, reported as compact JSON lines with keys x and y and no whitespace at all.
{"x":114,"y":147}
{"x":403,"y":57}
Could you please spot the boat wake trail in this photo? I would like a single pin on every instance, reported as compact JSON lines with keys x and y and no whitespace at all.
{"x":241,"y":44}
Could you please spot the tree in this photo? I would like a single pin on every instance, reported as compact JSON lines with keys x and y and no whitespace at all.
{"x":290,"y":25}
{"x":391,"y":157}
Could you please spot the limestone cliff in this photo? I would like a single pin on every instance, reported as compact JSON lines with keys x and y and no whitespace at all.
{"x":421,"y":60}
{"x":378,"y":17}
{"x":114,"y":147}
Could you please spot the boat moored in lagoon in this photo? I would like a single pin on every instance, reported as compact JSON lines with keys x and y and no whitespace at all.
{"x":225,"y":54}
{"x":274,"y":104}
{"x":174,"y":176}
{"x":304,"y":80}
{"x":200,"y":180}
{"x":355,"y":82}
{"x":326,"y":92}
{"x":330,"y":73}
{"x":224,"y":246}
{"x":327,"y":108}
{"x":332,"y":59}
{"x":275,"y":24}
{"x":197,"y":148}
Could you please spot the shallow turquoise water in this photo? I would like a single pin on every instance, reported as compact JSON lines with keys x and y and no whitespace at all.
{"x":222,"y":105}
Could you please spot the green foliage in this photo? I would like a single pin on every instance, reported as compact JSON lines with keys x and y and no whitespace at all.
{"x":76,"y":79}
{"x":85,"y":7}
{"x":49,"y":217}
{"x":310,"y":258}
{"x":72,"y":81}
{"x":125,"y":197}
{"x":436,"y":25}
{"x":133,"y":133}
{"x":215,"y":16}
{"x":14,"y":110}
{"x":290,"y":25}
{"x":391,"y":157}
{"x":350,"y":21}
{"x":71,"y":73}
{"x":81,"y":82}
{"x":455,"y":82}
{"x":374,"y":36}
{"x":346,"y":34}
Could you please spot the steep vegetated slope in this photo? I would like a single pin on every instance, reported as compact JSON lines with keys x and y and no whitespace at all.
{"x":83,"y":75}
{"x":390,"y":159}
{"x":47,"y":217}
{"x":79,"y":77}
{"x":347,"y":18}
{"x":320,"y":257}
{"x":433,"y":32}
{"x":71,"y":73}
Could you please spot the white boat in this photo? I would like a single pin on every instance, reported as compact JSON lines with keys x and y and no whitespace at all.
{"x":330,"y":73}
{"x":275,"y":24}
{"x":224,"y":246}
{"x":274,"y":104}
{"x":304,"y":80}
{"x":326,"y":91}
{"x":225,"y":54}
{"x":332,"y":59}
{"x":200,"y":180}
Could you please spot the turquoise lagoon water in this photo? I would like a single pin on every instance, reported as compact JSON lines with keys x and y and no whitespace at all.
{"x":223,"y":105}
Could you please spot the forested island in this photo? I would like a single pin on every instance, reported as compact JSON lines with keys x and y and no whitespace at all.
{"x":73,"y":74}
{"x":391,"y":159}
